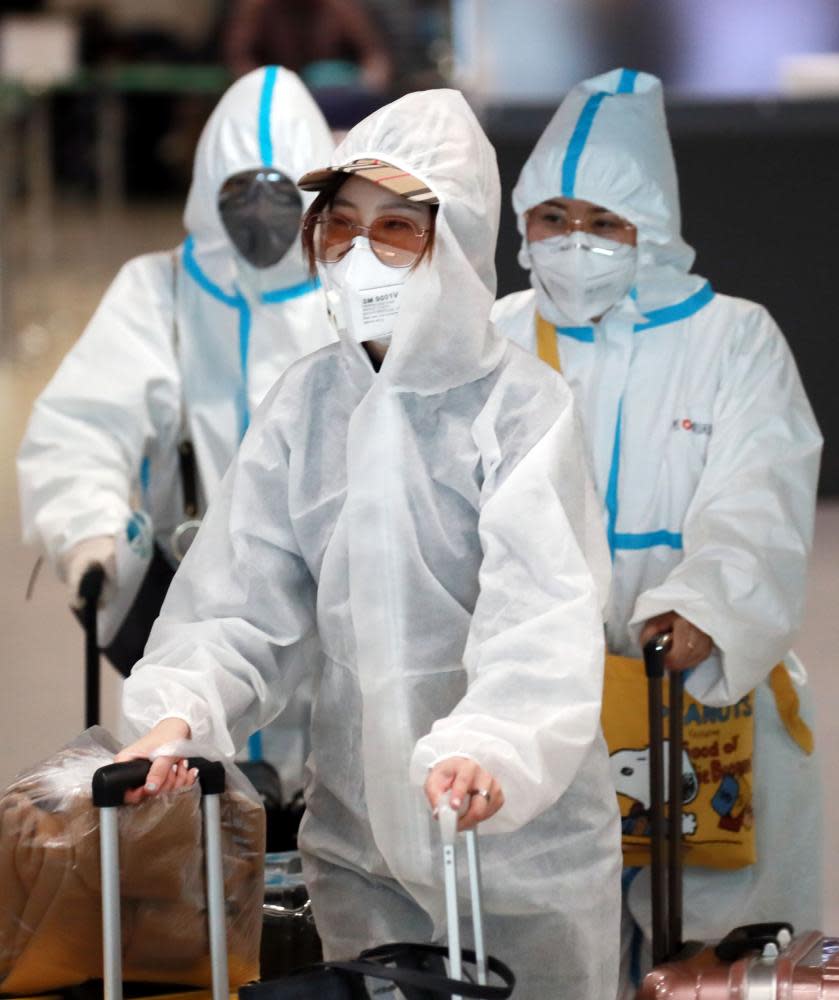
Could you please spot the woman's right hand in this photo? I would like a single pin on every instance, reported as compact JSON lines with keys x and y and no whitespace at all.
{"x":166,"y":773}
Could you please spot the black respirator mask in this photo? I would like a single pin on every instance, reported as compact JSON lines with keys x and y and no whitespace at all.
{"x":261,"y":211}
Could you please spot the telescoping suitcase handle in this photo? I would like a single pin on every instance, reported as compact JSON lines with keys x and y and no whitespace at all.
{"x":665,"y":831}
{"x":447,"y":818}
{"x":90,"y":590}
{"x":110,"y":783}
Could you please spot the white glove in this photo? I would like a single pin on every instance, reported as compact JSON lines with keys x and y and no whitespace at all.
{"x":83,"y":556}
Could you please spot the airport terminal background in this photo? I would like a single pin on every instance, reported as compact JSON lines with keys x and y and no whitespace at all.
{"x":96,"y":145}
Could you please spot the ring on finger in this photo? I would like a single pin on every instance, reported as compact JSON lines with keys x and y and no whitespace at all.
{"x":483,"y":792}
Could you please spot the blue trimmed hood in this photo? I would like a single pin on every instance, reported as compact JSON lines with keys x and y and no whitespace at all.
{"x":608,"y":143}
{"x":266,"y":118}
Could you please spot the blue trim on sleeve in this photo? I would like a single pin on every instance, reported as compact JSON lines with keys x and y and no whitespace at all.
{"x":681,"y":310}
{"x":635,"y":541}
{"x":626,"y":84}
{"x":577,"y":143}
{"x":585,"y":334}
{"x":612,"y":488}
{"x":145,"y":479}
{"x":292,"y":292}
{"x":266,"y":146}
{"x":255,"y":746}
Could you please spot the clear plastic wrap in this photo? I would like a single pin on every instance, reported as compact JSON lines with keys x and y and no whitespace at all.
{"x":50,"y":905}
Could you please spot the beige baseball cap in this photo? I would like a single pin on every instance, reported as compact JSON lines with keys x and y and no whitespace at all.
{"x":377,"y":171}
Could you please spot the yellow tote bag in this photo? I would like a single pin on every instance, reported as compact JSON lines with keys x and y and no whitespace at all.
{"x":717,"y":816}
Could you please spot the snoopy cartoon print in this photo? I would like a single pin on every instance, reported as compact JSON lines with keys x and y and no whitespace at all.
{"x":631,"y":776}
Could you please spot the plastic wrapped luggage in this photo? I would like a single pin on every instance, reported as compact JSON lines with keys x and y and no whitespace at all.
{"x":50,"y":900}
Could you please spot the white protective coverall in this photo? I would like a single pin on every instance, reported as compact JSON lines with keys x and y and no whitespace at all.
{"x":432,"y":525}
{"x":705,"y":454}
{"x":184,"y":342}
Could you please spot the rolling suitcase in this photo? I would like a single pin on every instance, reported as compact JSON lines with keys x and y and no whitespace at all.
{"x":110,"y":784}
{"x":753,"y":962}
{"x":417,"y":970}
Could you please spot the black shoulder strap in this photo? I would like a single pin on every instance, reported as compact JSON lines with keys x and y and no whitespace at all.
{"x":187,"y":464}
{"x":370,"y":964}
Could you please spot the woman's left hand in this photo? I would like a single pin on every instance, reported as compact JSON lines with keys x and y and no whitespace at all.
{"x":689,"y":646}
{"x":465,"y":778}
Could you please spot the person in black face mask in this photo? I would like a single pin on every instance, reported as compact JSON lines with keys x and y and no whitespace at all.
{"x":182,"y":349}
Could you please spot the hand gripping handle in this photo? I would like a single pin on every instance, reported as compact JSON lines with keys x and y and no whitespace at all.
{"x":111,"y":782}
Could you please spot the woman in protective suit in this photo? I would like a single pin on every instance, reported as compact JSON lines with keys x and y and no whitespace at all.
{"x":183,"y":347}
{"x":705,"y":454}
{"x":414,"y":499}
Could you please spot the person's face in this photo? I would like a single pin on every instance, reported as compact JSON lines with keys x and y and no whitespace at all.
{"x":398,"y":229}
{"x":561,"y":216}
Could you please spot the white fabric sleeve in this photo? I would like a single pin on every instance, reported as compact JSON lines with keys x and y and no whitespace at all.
{"x":117,"y":389}
{"x":748,"y":530}
{"x":237,"y":629}
{"x":535,"y":652}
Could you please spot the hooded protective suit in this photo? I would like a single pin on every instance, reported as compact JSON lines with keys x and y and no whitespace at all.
{"x":184,"y":343}
{"x":432,"y":525}
{"x":706,"y":454}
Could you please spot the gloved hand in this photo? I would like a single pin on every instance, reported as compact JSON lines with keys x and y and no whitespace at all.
{"x":83,"y":556}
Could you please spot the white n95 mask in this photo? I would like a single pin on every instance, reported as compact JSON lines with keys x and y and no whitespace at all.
{"x":363,"y":294}
{"x":583,"y":275}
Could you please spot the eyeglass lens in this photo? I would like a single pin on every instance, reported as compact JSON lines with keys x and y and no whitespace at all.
{"x":550,"y":220}
{"x":395,"y":241}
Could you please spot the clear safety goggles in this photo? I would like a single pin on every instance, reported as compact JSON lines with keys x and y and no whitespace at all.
{"x":396,"y":242}
{"x":548,"y":220}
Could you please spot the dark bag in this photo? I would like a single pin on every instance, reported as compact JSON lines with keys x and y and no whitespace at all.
{"x":417,"y":970}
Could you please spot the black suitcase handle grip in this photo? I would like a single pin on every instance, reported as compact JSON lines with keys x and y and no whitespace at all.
{"x":91,"y":584}
{"x":655,"y":653}
{"x":90,"y":591}
{"x":750,"y":937}
{"x":111,"y":782}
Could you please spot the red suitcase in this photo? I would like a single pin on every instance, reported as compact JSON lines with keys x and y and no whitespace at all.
{"x":754,"y":962}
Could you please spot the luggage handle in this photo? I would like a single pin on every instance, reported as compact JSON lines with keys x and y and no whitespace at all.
{"x":111,"y":782}
{"x":447,"y":818}
{"x":90,"y":591}
{"x":753,"y":937}
{"x":109,"y":785}
{"x":665,"y":875}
